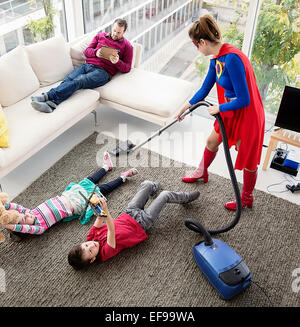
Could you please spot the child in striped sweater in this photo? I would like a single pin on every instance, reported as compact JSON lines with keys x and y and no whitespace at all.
{"x":67,"y":206}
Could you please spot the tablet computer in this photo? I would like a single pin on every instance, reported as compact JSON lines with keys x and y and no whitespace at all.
{"x":107,"y":51}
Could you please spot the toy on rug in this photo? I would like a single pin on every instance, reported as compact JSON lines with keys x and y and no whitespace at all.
{"x":7,"y":216}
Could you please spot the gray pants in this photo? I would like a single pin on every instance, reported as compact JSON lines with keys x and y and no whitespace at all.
{"x":147,"y":217}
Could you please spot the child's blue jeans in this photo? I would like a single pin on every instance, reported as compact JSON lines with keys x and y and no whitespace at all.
{"x":108,"y":187}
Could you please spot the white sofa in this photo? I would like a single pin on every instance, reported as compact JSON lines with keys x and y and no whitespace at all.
{"x":31,"y":70}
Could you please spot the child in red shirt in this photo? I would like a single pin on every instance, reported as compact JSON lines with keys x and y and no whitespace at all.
{"x":108,"y":237}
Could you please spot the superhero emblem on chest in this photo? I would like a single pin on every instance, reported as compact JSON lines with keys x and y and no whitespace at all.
{"x":219,"y":68}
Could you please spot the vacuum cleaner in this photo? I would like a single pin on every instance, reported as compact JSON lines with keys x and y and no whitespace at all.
{"x":223,"y":267}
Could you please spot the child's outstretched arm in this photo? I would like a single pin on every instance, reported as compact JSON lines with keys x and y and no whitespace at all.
{"x":111,"y":238}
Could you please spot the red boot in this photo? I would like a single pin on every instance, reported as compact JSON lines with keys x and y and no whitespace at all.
{"x":248,"y":187}
{"x":201,"y":171}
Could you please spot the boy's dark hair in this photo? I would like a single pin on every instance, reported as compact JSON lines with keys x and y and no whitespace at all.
{"x":122,"y":23}
{"x":75,"y":258}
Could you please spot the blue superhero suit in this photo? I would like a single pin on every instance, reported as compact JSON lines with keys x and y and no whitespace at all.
{"x":229,"y":72}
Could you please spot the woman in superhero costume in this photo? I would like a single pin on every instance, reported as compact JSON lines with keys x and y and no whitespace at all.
{"x":240,"y":106}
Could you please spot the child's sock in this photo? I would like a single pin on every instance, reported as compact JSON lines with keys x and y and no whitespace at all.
{"x":107,"y":164}
{"x":129,"y":173}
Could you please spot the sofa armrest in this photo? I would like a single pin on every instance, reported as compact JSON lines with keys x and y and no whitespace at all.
{"x":137,"y":55}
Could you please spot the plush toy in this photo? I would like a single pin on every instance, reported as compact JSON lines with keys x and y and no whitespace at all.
{"x":7,"y":216}
{"x":3,"y":198}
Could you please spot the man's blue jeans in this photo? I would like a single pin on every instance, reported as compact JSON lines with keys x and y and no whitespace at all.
{"x":86,"y":76}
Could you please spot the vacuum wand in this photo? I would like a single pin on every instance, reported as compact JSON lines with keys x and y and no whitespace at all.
{"x":129,"y":147}
{"x":187,"y":112}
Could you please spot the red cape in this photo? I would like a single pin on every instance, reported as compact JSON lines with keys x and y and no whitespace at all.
{"x":246,"y":124}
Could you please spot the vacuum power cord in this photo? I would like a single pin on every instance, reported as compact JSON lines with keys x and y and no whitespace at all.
{"x":264,"y":291}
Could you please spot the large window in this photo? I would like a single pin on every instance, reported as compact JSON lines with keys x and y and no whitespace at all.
{"x":276,"y":50}
{"x":165,"y":25}
{"x":12,"y":9}
{"x":151,"y":23}
{"x":97,"y":13}
{"x":231,"y":17}
{"x":273,"y":47}
{"x":25,"y":22}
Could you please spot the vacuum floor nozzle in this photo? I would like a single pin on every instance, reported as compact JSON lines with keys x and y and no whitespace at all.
{"x":122,"y":148}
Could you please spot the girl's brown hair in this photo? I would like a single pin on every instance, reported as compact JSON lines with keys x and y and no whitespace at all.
{"x":205,"y":28}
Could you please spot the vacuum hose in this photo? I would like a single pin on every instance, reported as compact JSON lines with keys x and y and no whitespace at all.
{"x":194,"y":224}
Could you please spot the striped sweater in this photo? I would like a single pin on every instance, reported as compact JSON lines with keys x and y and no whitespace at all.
{"x":46,"y":215}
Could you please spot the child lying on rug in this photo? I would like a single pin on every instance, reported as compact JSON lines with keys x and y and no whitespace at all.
{"x":66,"y":207}
{"x":108,"y":237}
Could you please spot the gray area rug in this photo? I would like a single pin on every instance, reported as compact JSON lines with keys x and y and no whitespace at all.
{"x":160,"y":271}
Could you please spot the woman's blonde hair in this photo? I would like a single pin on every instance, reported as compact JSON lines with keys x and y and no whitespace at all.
{"x":205,"y":28}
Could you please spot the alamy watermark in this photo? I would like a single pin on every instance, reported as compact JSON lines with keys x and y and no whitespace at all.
{"x":175,"y":144}
{"x":2,"y":281}
{"x":296,"y":282}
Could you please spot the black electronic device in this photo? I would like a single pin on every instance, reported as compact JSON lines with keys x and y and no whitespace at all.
{"x":288,"y":116}
{"x":293,"y":188}
{"x":280,"y":156}
{"x":279,"y":160}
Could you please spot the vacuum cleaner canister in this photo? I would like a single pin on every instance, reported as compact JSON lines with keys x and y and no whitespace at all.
{"x":223,"y":267}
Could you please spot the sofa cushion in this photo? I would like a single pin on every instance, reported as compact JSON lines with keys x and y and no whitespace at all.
{"x":146,"y":91}
{"x":77,"y":56}
{"x":17,"y":79}
{"x":38,"y":127}
{"x":50,"y":60}
{"x":77,"y":49}
{"x":4,"y":142}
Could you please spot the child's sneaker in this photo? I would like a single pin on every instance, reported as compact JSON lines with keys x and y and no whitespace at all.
{"x":107,"y":164}
{"x":129,"y":173}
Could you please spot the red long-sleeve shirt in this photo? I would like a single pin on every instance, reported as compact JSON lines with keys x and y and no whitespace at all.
{"x":128,"y":233}
{"x":125,"y":53}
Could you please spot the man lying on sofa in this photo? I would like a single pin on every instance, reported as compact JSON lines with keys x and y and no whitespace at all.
{"x":97,"y":70}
